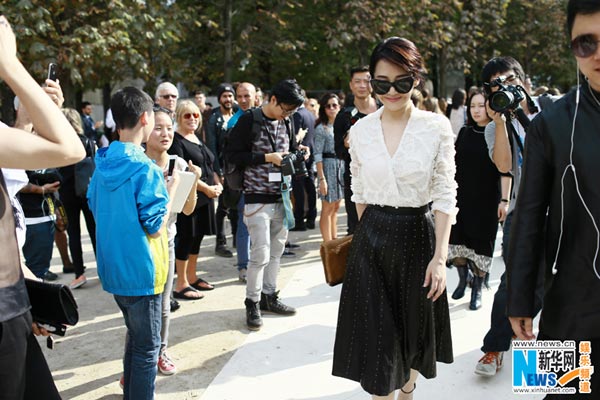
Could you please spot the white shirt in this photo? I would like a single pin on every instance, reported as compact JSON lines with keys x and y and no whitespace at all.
{"x":422,"y":169}
{"x":458,"y":119}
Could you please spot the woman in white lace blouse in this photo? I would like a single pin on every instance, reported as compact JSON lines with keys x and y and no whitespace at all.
{"x":394,"y":320}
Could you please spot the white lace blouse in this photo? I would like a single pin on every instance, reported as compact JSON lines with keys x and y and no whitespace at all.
{"x":422,"y":169}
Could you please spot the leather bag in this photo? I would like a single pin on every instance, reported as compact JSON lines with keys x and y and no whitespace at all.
{"x":334,"y":254}
{"x":52,"y":304}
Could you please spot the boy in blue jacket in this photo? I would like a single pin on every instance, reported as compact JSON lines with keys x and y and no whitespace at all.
{"x":129,"y":200}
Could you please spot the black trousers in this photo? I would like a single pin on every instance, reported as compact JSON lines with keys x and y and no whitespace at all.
{"x":24,"y":373}
{"x":75,"y":206}
{"x":500,"y":334}
{"x":304,"y":191}
{"x":349,"y":204}
{"x":221,"y":213}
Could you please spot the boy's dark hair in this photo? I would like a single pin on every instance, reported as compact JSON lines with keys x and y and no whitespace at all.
{"x":128,"y":105}
{"x":85,"y":104}
{"x":288,"y":92}
{"x":498,"y":65}
{"x":584,"y":7}
{"x":356,"y":70}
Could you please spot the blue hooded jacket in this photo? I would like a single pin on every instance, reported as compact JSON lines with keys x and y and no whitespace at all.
{"x":128,"y":197}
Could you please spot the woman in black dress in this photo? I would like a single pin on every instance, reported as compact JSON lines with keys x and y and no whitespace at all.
{"x":394,"y":321}
{"x":474,"y":234}
{"x":192,"y":229}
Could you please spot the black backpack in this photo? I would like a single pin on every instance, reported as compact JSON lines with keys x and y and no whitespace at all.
{"x":84,"y":169}
{"x":234,"y":174}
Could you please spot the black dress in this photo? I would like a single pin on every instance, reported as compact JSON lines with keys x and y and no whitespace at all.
{"x":202,"y":221}
{"x":474,"y":234}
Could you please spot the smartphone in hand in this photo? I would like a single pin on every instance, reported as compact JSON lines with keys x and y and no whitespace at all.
{"x":52,"y":70}
{"x":172,"y":159}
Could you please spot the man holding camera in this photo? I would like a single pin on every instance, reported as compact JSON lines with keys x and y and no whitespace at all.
{"x":262,"y":155}
{"x":505,"y":135}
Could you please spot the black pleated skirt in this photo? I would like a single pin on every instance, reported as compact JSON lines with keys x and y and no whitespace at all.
{"x":386,"y":324}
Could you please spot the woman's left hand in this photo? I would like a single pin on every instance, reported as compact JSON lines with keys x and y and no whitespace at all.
{"x":38,"y":330}
{"x":435,"y":278}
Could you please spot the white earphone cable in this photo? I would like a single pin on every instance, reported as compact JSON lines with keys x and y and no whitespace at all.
{"x":562,"y":192}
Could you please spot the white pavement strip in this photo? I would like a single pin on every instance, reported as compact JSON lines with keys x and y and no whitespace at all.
{"x":290,"y":357}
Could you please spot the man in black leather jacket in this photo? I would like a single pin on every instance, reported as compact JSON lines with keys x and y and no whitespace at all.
{"x":558,"y":207}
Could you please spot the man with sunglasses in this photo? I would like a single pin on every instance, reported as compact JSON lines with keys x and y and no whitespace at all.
{"x":504,"y":136}
{"x":363,"y":104}
{"x":261,"y":155}
{"x":558,"y":210}
{"x":166,"y":96}
{"x":216,"y":130}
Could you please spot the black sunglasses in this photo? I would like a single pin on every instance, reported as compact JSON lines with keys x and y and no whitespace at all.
{"x":402,"y":85}
{"x":583,"y":46}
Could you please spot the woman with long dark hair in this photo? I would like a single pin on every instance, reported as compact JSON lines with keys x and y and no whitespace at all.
{"x":473,"y":237}
{"x":394,"y":321}
{"x":329,"y":168}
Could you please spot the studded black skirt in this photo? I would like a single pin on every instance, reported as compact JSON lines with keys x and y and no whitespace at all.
{"x":386,"y":325}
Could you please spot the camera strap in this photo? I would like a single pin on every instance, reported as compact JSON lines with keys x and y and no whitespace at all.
{"x":271,"y":140}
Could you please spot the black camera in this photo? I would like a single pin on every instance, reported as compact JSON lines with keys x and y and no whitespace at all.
{"x":507,"y":97}
{"x":293,"y":164}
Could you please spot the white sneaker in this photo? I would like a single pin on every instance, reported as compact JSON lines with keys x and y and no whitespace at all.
{"x":490,"y":363}
{"x":242,"y":275}
{"x":77,"y":283}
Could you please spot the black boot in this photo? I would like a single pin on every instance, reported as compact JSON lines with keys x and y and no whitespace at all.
{"x":475,"y":303}
{"x":253,"y":317}
{"x":459,"y":292}
{"x":221,"y":248}
{"x":271,"y":303}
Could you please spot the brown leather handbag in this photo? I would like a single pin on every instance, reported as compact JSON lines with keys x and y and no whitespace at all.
{"x":334,"y":254}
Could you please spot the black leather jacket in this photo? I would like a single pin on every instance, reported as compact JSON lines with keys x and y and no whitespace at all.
{"x":572,"y":295}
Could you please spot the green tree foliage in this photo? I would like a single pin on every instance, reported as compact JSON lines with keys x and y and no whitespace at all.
{"x":95,"y":43}
{"x":202,"y":43}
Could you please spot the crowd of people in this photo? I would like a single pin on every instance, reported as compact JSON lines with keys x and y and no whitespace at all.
{"x":425,"y":183}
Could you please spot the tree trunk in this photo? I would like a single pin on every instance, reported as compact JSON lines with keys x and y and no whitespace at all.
{"x":227,"y":14}
{"x":442,"y":90}
{"x":8,"y":109}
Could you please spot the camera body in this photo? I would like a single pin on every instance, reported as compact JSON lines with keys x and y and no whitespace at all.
{"x":507,"y":97}
{"x":293,"y":164}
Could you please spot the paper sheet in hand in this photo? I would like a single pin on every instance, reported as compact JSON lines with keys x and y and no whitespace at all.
{"x":186,"y":181}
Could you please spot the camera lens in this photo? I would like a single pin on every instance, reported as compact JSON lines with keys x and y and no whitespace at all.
{"x":500,"y":101}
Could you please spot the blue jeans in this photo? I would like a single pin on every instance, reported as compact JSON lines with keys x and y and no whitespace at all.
{"x":242,"y":238}
{"x":37,"y":250}
{"x":143,"y":320}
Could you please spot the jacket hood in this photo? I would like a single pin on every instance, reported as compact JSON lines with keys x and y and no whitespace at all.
{"x":118,"y":162}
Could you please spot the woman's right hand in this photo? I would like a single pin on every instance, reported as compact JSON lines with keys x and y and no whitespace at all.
{"x":322,"y":187}
{"x":502,"y":211}
{"x":212,"y":191}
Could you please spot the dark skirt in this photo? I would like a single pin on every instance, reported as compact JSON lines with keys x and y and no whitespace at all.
{"x":386,"y":324}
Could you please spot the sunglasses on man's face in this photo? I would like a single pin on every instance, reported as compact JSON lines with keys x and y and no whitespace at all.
{"x":190,"y":115}
{"x":402,"y":85}
{"x":584,"y":46}
{"x":169,"y":96}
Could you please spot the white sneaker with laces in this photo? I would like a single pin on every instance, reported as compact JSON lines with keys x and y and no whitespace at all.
{"x":242,"y":275}
{"x":489,"y":364}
